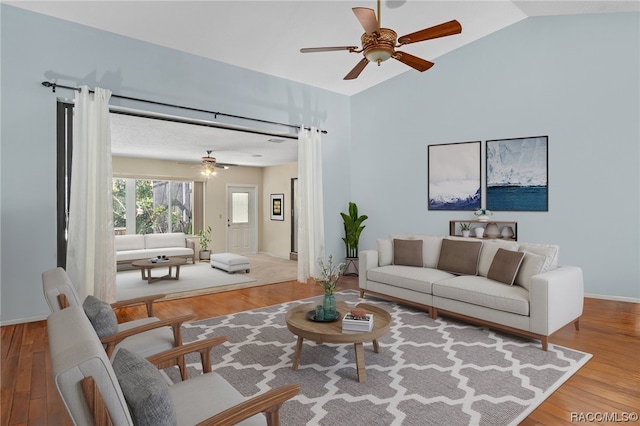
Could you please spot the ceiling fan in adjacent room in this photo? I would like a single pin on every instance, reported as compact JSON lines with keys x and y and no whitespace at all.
{"x":379,"y":44}
{"x":209,"y":165}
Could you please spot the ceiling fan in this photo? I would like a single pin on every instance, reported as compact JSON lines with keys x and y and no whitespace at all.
{"x":209,"y":164}
{"x":379,"y":44}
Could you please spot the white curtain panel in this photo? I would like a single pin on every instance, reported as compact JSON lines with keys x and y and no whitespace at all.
{"x":310,"y":205}
{"x":91,"y":264}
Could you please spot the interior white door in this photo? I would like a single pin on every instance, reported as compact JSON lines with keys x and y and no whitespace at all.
{"x":241,"y":219}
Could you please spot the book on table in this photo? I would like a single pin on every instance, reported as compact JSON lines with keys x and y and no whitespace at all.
{"x":351,"y":324}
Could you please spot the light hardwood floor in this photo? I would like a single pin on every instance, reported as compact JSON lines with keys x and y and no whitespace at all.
{"x":608,"y":383}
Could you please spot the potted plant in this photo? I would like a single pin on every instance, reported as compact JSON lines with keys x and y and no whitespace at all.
{"x":352,"y":229}
{"x":205,"y":239}
{"x":465,"y":228}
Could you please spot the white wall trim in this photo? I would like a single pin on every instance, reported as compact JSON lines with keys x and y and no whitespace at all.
{"x":23,"y":320}
{"x":616,"y":298}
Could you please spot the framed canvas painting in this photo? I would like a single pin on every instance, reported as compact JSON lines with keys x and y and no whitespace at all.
{"x":454,"y":176}
{"x":277,"y":206}
{"x":518,"y":174}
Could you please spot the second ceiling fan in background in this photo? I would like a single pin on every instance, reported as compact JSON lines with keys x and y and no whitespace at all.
{"x":379,"y":44}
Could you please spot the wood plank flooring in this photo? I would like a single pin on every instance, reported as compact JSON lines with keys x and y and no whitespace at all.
{"x":608,"y":383}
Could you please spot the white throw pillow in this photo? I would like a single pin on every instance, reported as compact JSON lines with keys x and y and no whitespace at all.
{"x":488,"y":252}
{"x":385,"y":251}
{"x":430,"y":249}
{"x":532,"y":264}
{"x":549,"y":251}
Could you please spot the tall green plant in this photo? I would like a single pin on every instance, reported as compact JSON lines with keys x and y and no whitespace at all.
{"x":352,"y":229}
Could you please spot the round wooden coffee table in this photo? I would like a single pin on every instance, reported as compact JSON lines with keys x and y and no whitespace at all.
{"x":147,"y":265}
{"x":331,"y":332}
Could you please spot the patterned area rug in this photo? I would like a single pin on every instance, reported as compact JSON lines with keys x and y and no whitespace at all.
{"x":428,"y":372}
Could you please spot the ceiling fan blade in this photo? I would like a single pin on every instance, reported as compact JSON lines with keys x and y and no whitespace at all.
{"x":442,"y":30}
{"x":327,"y":49}
{"x":355,"y":72}
{"x":413,"y":61}
{"x":367,"y":18}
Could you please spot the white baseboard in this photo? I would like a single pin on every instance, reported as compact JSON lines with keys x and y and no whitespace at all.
{"x":23,"y":320}
{"x":615,"y":298}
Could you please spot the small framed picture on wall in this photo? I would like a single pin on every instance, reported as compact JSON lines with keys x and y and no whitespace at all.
{"x":277,"y":206}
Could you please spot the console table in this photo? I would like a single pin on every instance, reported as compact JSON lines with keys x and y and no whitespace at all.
{"x":454,"y":228}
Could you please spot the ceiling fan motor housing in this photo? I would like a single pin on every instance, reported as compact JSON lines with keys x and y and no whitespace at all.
{"x":379,"y":47}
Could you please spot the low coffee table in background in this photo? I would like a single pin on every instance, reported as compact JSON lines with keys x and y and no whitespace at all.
{"x":146,"y":266}
{"x":331,"y":332}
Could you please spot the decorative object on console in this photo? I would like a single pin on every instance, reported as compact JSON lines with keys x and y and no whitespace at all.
{"x":517,"y":174}
{"x":479,"y":231}
{"x":450,"y":166}
{"x":465,"y":227}
{"x":277,"y":206}
{"x":507,"y":232}
{"x":492,"y":230}
{"x":483,"y":215}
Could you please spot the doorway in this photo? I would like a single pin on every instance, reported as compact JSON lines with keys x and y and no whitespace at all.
{"x":242,"y":232}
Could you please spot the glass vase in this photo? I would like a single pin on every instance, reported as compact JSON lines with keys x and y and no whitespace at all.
{"x":329,"y":305}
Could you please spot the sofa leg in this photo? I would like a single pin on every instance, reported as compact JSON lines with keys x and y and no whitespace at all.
{"x":576,"y":324}
{"x":545,"y":343}
{"x":361,"y":294}
{"x":433,"y":313}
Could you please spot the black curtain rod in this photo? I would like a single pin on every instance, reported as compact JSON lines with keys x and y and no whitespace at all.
{"x":215,"y":114}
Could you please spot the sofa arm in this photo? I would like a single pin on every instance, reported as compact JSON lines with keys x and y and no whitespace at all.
{"x":556,"y":298}
{"x":368,"y":259}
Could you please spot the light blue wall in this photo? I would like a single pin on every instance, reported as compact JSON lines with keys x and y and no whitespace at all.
{"x":573,"y":78}
{"x":36,"y":48}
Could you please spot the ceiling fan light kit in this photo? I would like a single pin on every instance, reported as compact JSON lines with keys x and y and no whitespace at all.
{"x":379,"y":44}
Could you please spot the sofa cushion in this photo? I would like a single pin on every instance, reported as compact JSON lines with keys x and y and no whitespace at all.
{"x":129,"y":242}
{"x":488,"y":251}
{"x":385,"y":251}
{"x":146,"y":392}
{"x":549,"y":251}
{"x":407,"y":252}
{"x":485,"y":292}
{"x":409,"y":277}
{"x":532,"y":264}
{"x":101,"y":316}
{"x":170,"y":239}
{"x":459,"y":257}
{"x":505,"y":266}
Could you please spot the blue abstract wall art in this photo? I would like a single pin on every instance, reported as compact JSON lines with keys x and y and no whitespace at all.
{"x":454,"y":176}
{"x":517,"y":174}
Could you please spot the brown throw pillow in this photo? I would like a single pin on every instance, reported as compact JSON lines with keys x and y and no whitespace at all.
{"x":407,"y":252}
{"x":505,"y":266}
{"x":459,"y":256}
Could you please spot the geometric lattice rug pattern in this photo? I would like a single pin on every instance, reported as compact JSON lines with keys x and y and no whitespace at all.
{"x":428,"y":372}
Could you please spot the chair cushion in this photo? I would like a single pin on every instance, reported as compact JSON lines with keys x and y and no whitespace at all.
{"x":101,"y":315}
{"x":146,"y":392}
{"x":407,"y":252}
{"x":459,"y":256}
{"x":505,"y":265}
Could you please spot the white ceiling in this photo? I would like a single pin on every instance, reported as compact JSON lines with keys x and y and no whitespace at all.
{"x":266,"y":36}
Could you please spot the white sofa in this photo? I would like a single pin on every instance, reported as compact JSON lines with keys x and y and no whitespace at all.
{"x":134,"y":247}
{"x":543,"y":297}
